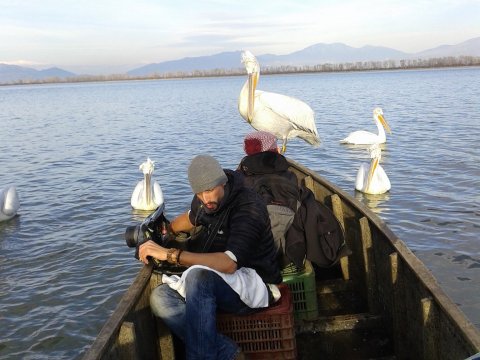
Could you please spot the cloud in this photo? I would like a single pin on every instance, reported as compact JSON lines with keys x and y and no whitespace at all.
{"x":120,"y":32}
{"x":25,"y":63}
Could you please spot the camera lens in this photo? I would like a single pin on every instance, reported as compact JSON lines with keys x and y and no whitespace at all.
{"x":133,"y":235}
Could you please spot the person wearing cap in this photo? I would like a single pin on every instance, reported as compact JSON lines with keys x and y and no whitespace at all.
{"x":302,"y":227}
{"x":266,"y":171}
{"x":231,"y":271}
{"x":263,"y":160}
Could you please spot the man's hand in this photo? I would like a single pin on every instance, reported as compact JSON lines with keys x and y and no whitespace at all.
{"x":152,"y":249}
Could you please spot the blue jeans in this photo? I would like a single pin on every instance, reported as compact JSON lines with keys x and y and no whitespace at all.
{"x":194,"y":320}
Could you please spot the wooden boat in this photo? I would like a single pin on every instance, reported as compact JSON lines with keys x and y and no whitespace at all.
{"x":380,"y":302}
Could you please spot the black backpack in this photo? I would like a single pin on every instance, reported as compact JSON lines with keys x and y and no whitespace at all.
{"x":301,"y":226}
{"x":316,"y":226}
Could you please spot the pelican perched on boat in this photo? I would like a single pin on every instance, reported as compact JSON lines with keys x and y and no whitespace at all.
{"x":367,"y":138}
{"x":9,"y":203}
{"x":148,"y":194}
{"x":283,"y":116}
{"x":371,"y":178}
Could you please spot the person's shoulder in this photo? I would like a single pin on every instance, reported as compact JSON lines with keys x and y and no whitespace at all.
{"x":235,"y":178}
{"x":253,"y":199}
{"x":242,"y":162}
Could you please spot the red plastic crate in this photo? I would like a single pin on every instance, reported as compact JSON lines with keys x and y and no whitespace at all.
{"x":267,"y":334}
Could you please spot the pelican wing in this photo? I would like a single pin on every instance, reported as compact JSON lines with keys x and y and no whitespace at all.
{"x":361,"y":178}
{"x":296,"y":112}
{"x":136,"y":200}
{"x":361,"y":138}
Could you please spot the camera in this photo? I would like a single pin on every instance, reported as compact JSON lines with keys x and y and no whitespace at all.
{"x":154,"y":227}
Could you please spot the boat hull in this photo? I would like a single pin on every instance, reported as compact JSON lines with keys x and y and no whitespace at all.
{"x":397,"y":297}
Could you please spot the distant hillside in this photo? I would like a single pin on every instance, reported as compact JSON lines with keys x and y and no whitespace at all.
{"x":13,"y":73}
{"x":312,"y":55}
{"x":467,"y":48}
{"x":225,"y":60}
{"x":332,"y":53}
{"x":55,"y":72}
{"x":316,"y":54}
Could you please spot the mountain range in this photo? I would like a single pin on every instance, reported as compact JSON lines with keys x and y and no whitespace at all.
{"x":11,"y":73}
{"x":316,"y":54}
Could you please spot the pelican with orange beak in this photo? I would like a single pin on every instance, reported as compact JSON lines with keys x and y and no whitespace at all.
{"x":371,"y":178}
{"x":367,"y":138}
{"x":283,"y":116}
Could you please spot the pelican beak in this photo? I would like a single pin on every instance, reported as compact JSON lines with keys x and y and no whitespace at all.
{"x":373,"y":167}
{"x":384,"y":123}
{"x":252,"y":85}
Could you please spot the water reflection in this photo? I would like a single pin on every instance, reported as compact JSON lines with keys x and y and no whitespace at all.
{"x":140,"y":215}
{"x":362,"y":147}
{"x":374,"y":202}
{"x":8,"y":229}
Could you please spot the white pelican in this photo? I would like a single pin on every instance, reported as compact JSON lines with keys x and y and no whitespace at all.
{"x":9,"y":203}
{"x":283,"y":116}
{"x":147,"y":195}
{"x":371,"y":178}
{"x":367,"y":138}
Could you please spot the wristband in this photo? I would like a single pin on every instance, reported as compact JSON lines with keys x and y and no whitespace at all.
{"x":169,"y":255}
{"x":178,"y":256}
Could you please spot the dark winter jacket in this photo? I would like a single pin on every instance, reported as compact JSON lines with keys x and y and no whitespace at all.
{"x":315,"y":226}
{"x":314,"y":233}
{"x":267,"y":172}
{"x":240,"y":225}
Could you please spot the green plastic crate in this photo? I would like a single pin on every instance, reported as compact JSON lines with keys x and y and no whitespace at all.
{"x":304,"y":292}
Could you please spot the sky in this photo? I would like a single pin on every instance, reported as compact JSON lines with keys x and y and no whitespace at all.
{"x":114,"y":36}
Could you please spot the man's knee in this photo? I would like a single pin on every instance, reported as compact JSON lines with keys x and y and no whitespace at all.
{"x":199,"y":280}
{"x":163,"y":301}
{"x":200,"y":275}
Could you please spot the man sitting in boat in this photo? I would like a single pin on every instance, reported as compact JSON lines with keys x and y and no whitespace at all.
{"x":232,"y":271}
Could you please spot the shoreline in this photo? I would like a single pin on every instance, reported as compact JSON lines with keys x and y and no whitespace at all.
{"x":279,"y":70}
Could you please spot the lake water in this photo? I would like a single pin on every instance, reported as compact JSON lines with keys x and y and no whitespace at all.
{"x":73,"y":151}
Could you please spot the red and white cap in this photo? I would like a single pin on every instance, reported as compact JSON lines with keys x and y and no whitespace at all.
{"x":259,"y":141}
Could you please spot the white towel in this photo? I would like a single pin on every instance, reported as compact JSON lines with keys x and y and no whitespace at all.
{"x":245,"y":282}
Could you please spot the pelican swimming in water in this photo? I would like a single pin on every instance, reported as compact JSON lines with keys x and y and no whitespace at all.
{"x":147,"y":195}
{"x":283,"y":116}
{"x":9,"y":203}
{"x":371,"y":178}
{"x":367,"y":138}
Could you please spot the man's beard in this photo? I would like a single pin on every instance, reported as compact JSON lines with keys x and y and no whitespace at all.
{"x":213,"y":207}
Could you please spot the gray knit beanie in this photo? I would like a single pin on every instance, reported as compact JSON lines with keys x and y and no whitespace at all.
{"x":205,"y":173}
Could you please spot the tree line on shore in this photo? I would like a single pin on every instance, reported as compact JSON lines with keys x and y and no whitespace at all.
{"x":450,"y":61}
